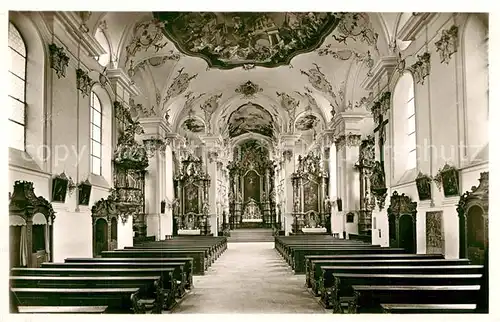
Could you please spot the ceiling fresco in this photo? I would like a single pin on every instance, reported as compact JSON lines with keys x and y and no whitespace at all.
{"x":193,"y":125}
{"x":251,"y":118}
{"x":307,"y":122}
{"x":233,"y":39}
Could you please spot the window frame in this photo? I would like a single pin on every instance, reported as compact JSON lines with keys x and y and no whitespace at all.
{"x":9,"y":71}
{"x":94,"y":96}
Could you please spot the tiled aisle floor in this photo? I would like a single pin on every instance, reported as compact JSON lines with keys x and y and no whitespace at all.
{"x":249,"y":278}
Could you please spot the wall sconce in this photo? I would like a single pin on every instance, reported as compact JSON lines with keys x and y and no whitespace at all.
{"x":162,"y":206}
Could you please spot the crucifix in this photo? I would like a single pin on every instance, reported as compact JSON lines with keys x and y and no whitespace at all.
{"x":381,"y":136}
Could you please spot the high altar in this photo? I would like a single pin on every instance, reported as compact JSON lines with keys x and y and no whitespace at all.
{"x":251,"y":201}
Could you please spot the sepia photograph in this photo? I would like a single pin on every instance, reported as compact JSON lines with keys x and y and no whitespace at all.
{"x":247,"y":162}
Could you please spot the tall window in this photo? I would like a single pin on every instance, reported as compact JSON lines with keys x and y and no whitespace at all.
{"x":17,"y":90}
{"x":95,"y":135}
{"x":412,"y":139}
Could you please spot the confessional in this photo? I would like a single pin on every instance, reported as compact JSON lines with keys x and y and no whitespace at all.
{"x":31,"y":221}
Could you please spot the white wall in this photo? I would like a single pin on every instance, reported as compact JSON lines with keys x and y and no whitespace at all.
{"x":445,"y":120}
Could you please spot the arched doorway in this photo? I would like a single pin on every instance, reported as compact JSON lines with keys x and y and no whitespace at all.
{"x":402,"y":214}
{"x":100,"y":236}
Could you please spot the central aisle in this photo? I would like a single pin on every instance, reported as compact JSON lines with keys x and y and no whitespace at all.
{"x":249,"y":278}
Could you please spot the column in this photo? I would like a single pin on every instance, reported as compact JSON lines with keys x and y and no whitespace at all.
{"x":155,"y":131}
{"x":211,"y":153}
{"x":348,"y":139}
{"x":288,"y":155}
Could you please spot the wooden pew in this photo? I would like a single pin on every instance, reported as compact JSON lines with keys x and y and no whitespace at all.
{"x":209,"y":252}
{"x":148,"y":286}
{"x":300,"y":253}
{"x":199,"y":259}
{"x":428,"y":308}
{"x":313,"y":267}
{"x":332,"y":294}
{"x":354,"y":257}
{"x":118,"y":300}
{"x":216,"y":245}
{"x":368,"y":298}
{"x":167,"y":282}
{"x":187,"y":261}
{"x":180,"y":275}
{"x":62,"y":309}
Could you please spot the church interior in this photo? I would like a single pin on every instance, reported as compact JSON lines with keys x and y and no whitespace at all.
{"x":248,"y":162}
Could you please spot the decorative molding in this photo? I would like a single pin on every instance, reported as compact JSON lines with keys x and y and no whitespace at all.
{"x":355,"y":26}
{"x":155,"y":61}
{"x":421,"y":68}
{"x":353,"y":139}
{"x":248,"y":66}
{"x":340,"y":141}
{"x":345,"y":54}
{"x":179,"y":85}
{"x":153,"y":145}
{"x":401,"y":64}
{"x":209,"y":107}
{"x":83,"y":82}
{"x":59,"y":61}
{"x":318,"y":80}
{"x":248,"y":89}
{"x":447,"y":45}
{"x":146,"y":35}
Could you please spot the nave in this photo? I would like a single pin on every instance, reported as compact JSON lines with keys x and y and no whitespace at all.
{"x":138,"y":153}
{"x":249,"y":278}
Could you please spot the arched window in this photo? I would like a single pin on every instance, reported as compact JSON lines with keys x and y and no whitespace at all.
{"x":404,"y":123}
{"x":95,"y":134}
{"x":17,"y":90}
{"x":411,"y":162}
{"x":476,"y":71}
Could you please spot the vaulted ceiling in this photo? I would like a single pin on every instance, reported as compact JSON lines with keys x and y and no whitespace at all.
{"x":236,"y":73}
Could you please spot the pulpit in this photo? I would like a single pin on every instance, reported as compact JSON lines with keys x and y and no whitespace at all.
{"x":31,"y":220}
{"x":130,"y":162}
{"x":191,"y":212}
{"x":310,"y":196}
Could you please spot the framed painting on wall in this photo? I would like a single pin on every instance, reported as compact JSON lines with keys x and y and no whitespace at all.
{"x":59,"y":188}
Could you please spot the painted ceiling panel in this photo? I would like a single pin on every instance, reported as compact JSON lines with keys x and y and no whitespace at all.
{"x":230,"y":39}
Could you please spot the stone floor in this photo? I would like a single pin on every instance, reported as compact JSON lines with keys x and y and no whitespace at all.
{"x":249,"y":278}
